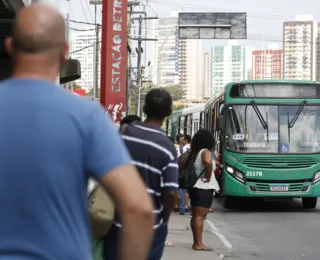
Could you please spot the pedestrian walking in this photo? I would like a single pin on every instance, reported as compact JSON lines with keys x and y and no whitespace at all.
{"x":155,"y":157}
{"x":51,"y":142}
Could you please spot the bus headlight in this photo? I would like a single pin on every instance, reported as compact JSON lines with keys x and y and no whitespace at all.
{"x":236,"y":174}
{"x":316,"y":178}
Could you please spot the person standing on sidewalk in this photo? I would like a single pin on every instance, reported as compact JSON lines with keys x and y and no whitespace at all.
{"x":201,"y":195}
{"x":183,"y":193}
{"x":51,"y":142}
{"x":155,"y":157}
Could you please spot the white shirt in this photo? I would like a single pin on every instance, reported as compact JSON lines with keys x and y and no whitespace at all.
{"x":199,"y":167}
{"x":186,"y":148}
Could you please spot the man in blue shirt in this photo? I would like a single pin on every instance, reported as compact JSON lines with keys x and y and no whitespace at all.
{"x":51,"y":142}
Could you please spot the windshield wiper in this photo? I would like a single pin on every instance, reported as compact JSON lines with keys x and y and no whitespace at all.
{"x":295,"y":118}
{"x":261,"y":119}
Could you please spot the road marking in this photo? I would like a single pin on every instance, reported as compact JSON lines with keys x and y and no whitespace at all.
{"x":217,"y":232}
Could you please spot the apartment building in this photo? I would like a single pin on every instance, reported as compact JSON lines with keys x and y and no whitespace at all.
{"x":267,"y":64}
{"x":230,"y":63}
{"x":300,"y":48}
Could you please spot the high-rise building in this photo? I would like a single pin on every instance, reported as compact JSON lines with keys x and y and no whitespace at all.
{"x":207,"y":71}
{"x":267,"y":64}
{"x":82,"y":48}
{"x":318,"y":54}
{"x":230,"y":63}
{"x":300,"y":48}
{"x":191,"y":69}
{"x":164,"y":68}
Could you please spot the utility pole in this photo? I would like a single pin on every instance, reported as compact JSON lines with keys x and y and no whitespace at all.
{"x":96,"y":55}
{"x":131,"y":4}
{"x":139,"y":50}
{"x":66,"y":86}
{"x":139,"y":72}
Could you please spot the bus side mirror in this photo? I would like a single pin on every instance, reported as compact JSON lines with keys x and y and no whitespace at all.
{"x":220,"y":122}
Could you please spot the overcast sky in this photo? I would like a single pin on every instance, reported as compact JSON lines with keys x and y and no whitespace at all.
{"x":265,"y":18}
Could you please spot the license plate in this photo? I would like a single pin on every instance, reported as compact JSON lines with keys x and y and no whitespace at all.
{"x":280,"y":187}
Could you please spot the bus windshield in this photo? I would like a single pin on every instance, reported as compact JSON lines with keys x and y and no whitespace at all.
{"x":246,"y":134}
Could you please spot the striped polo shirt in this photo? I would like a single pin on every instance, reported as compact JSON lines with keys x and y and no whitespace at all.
{"x":155,"y":157}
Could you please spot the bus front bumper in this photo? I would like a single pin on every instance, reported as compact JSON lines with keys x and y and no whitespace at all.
{"x":233,"y":187}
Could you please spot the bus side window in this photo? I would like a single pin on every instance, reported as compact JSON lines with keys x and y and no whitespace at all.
{"x":195,"y":126}
{"x":213,"y":116}
{"x":201,"y":120}
{"x":169,"y":127}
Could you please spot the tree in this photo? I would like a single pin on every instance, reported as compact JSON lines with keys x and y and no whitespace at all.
{"x":178,"y":106}
{"x":74,"y":85}
{"x":90,"y":92}
{"x":176,"y":92}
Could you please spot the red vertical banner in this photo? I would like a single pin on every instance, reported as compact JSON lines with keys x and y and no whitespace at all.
{"x":114,"y":57}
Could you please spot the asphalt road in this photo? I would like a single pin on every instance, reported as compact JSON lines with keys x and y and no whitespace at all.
{"x":273,"y":230}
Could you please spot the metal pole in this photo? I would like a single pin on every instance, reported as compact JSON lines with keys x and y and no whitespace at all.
{"x":129,"y":65}
{"x":66,"y":86}
{"x":139,"y":76}
{"x":96,"y":89}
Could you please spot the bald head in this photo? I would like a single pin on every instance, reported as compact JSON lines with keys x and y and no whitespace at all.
{"x":38,"y":29}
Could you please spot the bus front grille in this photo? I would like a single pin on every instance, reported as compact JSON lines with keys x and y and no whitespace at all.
{"x":279,"y":162}
{"x":264,"y":187}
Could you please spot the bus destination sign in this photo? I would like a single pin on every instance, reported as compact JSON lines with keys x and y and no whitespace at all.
{"x":276,"y":90}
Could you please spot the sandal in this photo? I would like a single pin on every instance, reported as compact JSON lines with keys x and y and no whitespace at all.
{"x":169,"y":244}
{"x":208,"y":249}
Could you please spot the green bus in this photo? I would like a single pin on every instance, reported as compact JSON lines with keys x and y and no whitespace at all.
{"x":268,"y":134}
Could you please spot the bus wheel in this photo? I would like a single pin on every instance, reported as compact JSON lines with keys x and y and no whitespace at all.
{"x":309,"y":203}
{"x":228,"y":202}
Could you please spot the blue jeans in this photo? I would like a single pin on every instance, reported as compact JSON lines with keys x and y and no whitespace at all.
{"x":182,"y":202}
{"x":111,"y":241}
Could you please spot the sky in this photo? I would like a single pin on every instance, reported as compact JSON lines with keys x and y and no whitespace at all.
{"x":264,"y":22}
{"x":264,"y":18}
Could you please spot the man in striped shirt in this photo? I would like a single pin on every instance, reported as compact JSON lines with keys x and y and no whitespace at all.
{"x":155,"y":157}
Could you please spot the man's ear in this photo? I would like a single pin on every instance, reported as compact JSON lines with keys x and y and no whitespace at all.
{"x":170,"y":112}
{"x":9,"y":45}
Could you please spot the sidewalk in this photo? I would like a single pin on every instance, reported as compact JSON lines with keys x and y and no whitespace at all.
{"x":181,"y":236}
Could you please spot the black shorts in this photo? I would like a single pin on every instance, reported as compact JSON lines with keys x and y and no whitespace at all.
{"x":201,"y":198}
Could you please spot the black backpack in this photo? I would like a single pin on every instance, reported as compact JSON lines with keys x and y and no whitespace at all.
{"x":187,"y":171}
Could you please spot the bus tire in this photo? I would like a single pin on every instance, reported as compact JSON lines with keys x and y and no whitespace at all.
{"x":309,"y":203}
{"x":228,"y":202}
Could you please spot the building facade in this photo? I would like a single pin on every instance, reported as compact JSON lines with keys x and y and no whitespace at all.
{"x":191,"y":69}
{"x":207,"y":75}
{"x":230,"y":63}
{"x":164,"y":65}
{"x":267,"y":64}
{"x":84,"y":41}
{"x":300,"y":48}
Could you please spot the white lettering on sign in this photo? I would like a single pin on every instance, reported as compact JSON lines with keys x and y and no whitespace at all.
{"x":254,"y":174}
{"x":118,"y":27}
{"x":255,"y":145}
{"x":272,"y":137}
{"x":238,"y":137}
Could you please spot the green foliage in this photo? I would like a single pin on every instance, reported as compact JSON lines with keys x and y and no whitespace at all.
{"x":74,"y":85}
{"x":90,"y":92}
{"x":176,"y":92}
{"x":178,"y":106}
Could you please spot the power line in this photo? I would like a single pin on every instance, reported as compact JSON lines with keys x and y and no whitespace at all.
{"x":80,"y":22}
{"x":81,"y":30}
{"x":83,"y":9}
{"x":84,"y":48}
{"x":253,"y":15}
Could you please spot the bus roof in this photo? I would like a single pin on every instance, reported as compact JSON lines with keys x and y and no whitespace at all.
{"x":283,"y":81}
{"x":189,"y":110}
